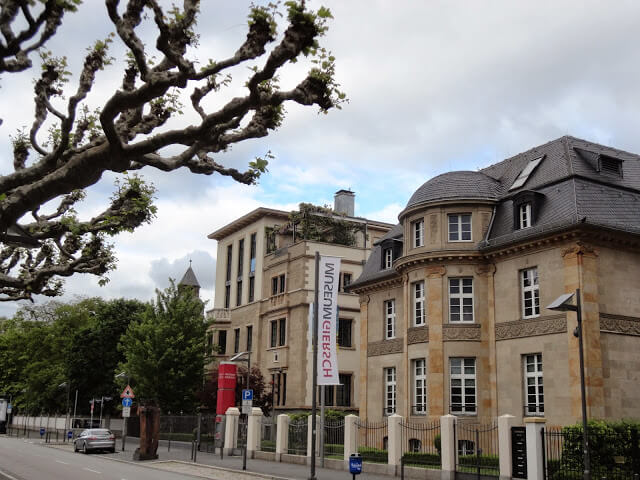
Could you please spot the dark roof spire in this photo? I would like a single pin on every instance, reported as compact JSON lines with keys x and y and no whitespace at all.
{"x":189,"y":278}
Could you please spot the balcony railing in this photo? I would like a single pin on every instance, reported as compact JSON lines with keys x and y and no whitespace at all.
{"x":219,"y":315}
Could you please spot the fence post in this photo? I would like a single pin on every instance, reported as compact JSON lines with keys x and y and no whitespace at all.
{"x":505,"y":422}
{"x":231,"y":430}
{"x":350,"y":437}
{"x":254,"y":422}
{"x":282,"y":436}
{"x":395,"y":442}
{"x":447,"y":444}
{"x":535,"y":466}
{"x":319,"y":426}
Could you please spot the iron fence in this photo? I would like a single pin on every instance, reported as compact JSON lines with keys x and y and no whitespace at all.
{"x":476,"y":450}
{"x":298,"y":436}
{"x":333,"y":438}
{"x":614,"y":454}
{"x":421,"y":445}
{"x":373,"y":440}
{"x":268,"y":434}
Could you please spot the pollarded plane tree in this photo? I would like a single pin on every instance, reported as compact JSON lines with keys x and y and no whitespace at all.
{"x":70,"y":145}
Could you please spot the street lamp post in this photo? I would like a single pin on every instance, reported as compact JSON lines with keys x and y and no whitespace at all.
{"x":560,"y":304}
{"x":66,"y":420}
{"x":238,"y":357}
{"x":124,"y":420}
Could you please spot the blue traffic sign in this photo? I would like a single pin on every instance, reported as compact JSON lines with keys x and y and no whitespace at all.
{"x":42,"y":431}
{"x":247,"y":394}
{"x":70,"y":434}
{"x":126,"y":402}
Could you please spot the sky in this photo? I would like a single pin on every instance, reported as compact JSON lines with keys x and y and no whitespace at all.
{"x":433,"y":86}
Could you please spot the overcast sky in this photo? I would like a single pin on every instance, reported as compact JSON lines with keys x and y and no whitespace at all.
{"x":434,"y":86}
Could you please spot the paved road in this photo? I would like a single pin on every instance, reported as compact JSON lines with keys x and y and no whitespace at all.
{"x":24,"y":460}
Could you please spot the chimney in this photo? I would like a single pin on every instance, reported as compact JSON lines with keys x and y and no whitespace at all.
{"x":344,"y":202}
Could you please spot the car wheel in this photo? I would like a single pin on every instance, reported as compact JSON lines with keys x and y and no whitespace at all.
{"x":84,"y":448}
{"x":75,"y":447}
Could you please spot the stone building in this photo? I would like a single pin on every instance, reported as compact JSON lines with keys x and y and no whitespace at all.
{"x":453,"y":298}
{"x":265,"y":283}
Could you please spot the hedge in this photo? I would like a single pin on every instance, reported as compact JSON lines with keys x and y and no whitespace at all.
{"x":418,"y":459}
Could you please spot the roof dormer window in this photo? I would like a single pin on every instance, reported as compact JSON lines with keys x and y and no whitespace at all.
{"x":526,"y":208}
{"x":525,"y":173}
{"x":524,"y":212}
{"x":387,"y":261}
{"x":610,"y":165}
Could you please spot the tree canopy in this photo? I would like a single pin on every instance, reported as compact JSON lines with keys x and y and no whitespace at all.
{"x":70,"y":145}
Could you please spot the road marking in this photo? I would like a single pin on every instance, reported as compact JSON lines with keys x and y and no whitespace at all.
{"x":5,"y":474}
{"x":60,"y":461}
{"x":89,"y":470}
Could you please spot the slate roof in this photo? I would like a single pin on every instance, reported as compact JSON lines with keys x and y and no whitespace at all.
{"x":189,"y":278}
{"x":567,"y":181}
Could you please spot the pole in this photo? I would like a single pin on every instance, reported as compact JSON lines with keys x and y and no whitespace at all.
{"x":585,"y":435}
{"x":66,"y":420}
{"x":93,"y":403}
{"x":246,"y":431}
{"x":314,"y":405}
{"x":75,"y":406}
{"x":124,"y":431}
{"x":101,"y":404}
{"x":323,"y":393}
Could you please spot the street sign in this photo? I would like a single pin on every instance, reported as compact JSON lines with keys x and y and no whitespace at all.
{"x":247,"y":395}
{"x":126,"y":412}
{"x":127,"y":392}
{"x":42,"y":431}
{"x":126,"y":402}
{"x":246,"y":409}
{"x":70,"y":434}
{"x":9,"y":408}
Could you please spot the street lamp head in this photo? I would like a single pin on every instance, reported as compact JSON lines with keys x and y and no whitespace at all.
{"x":237,"y":357}
{"x":121,"y":374}
{"x":63,"y":384}
{"x":561,"y":304}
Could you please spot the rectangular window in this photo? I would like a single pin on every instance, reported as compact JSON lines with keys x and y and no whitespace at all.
{"x":418,"y":303}
{"x":344,"y":332}
{"x":249,"y":338}
{"x":252,"y":288}
{"x":209,"y":350}
{"x":344,"y":281}
{"x":239,"y":292}
{"x":390,"y":319}
{"x":460,"y":227}
{"x":390,"y":391}
{"x":461,"y":300}
{"x":227,"y":296}
{"x":329,"y":395}
{"x":419,"y":386}
{"x":524,"y":174}
{"x":284,"y":389}
{"x":236,"y":340}
{"x":274,"y":334}
{"x":229,"y":257}
{"x":227,"y":288}
{"x":525,"y":215}
{"x":343,"y":391}
{"x":240,"y":256}
{"x":279,"y":385}
{"x":222,"y":342}
{"x":462,"y":375}
{"x":534,"y":390}
{"x":283,"y":332}
{"x":274,"y":286}
{"x":252,"y":254}
{"x":282,"y":283}
{"x":388,"y":258}
{"x":530,"y":293}
{"x":417,"y":229}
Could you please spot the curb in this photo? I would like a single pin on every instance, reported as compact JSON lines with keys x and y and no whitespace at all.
{"x":252,"y":474}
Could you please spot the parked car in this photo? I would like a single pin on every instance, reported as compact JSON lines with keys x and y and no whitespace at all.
{"x":95,"y":439}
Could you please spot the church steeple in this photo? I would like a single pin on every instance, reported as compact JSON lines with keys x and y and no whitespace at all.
{"x":189,"y":280}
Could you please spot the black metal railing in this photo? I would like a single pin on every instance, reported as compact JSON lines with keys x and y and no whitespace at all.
{"x":477,"y":449}
{"x":533,"y":410}
{"x":373,"y":441}
{"x":421,"y":444}
{"x":333,"y":444}
{"x":298,"y":431}
{"x":268,"y":434}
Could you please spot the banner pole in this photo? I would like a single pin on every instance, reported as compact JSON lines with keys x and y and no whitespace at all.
{"x":314,"y":395}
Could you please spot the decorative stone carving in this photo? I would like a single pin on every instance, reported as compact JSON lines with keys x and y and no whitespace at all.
{"x":531,"y":327}
{"x":486,"y":269}
{"x":418,"y":335}
{"x":435,"y":272}
{"x":453,"y":333}
{"x":619,"y":324}
{"x":385,"y":347}
{"x":580,"y":248}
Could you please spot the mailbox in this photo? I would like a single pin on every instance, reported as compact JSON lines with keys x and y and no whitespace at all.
{"x":355,"y":464}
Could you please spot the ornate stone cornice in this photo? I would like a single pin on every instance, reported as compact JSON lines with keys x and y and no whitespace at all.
{"x":417,"y":335}
{"x":455,"y":333}
{"x":437,"y":257}
{"x":531,"y":327}
{"x":385,"y":347}
{"x":619,"y":324}
{"x":436,"y":271}
{"x":377,"y":285}
{"x":486,"y":269}
{"x":580,"y":248}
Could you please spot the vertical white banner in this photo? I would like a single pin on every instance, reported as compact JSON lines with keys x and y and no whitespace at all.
{"x":329,"y":277}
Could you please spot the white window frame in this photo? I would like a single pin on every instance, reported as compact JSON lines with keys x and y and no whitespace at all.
{"x":462,"y":299}
{"x":389,"y":319}
{"x":418,"y":294}
{"x":419,"y":386}
{"x":390,"y":390}
{"x":455,"y":228}
{"x":463,"y":384}
{"x":524,"y":214}
{"x":530,"y":288}
{"x":533,"y":384}
{"x":417,"y":228}
{"x":388,"y":258}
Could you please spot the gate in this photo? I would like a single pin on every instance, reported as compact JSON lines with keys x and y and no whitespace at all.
{"x":421,"y":445}
{"x":519,"y":452}
{"x":298,"y":436}
{"x":242,"y":432}
{"x":333,"y":438}
{"x":476,"y":451}
{"x":268,"y":432}
{"x":373,"y":439}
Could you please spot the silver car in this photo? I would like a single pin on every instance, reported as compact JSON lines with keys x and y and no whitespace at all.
{"x":95,"y":439}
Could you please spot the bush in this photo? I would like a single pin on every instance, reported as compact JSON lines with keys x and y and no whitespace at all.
{"x":295,"y":417}
{"x":371,"y":454}
{"x":485,"y":460}
{"x":421,"y":459}
{"x":334,"y":414}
